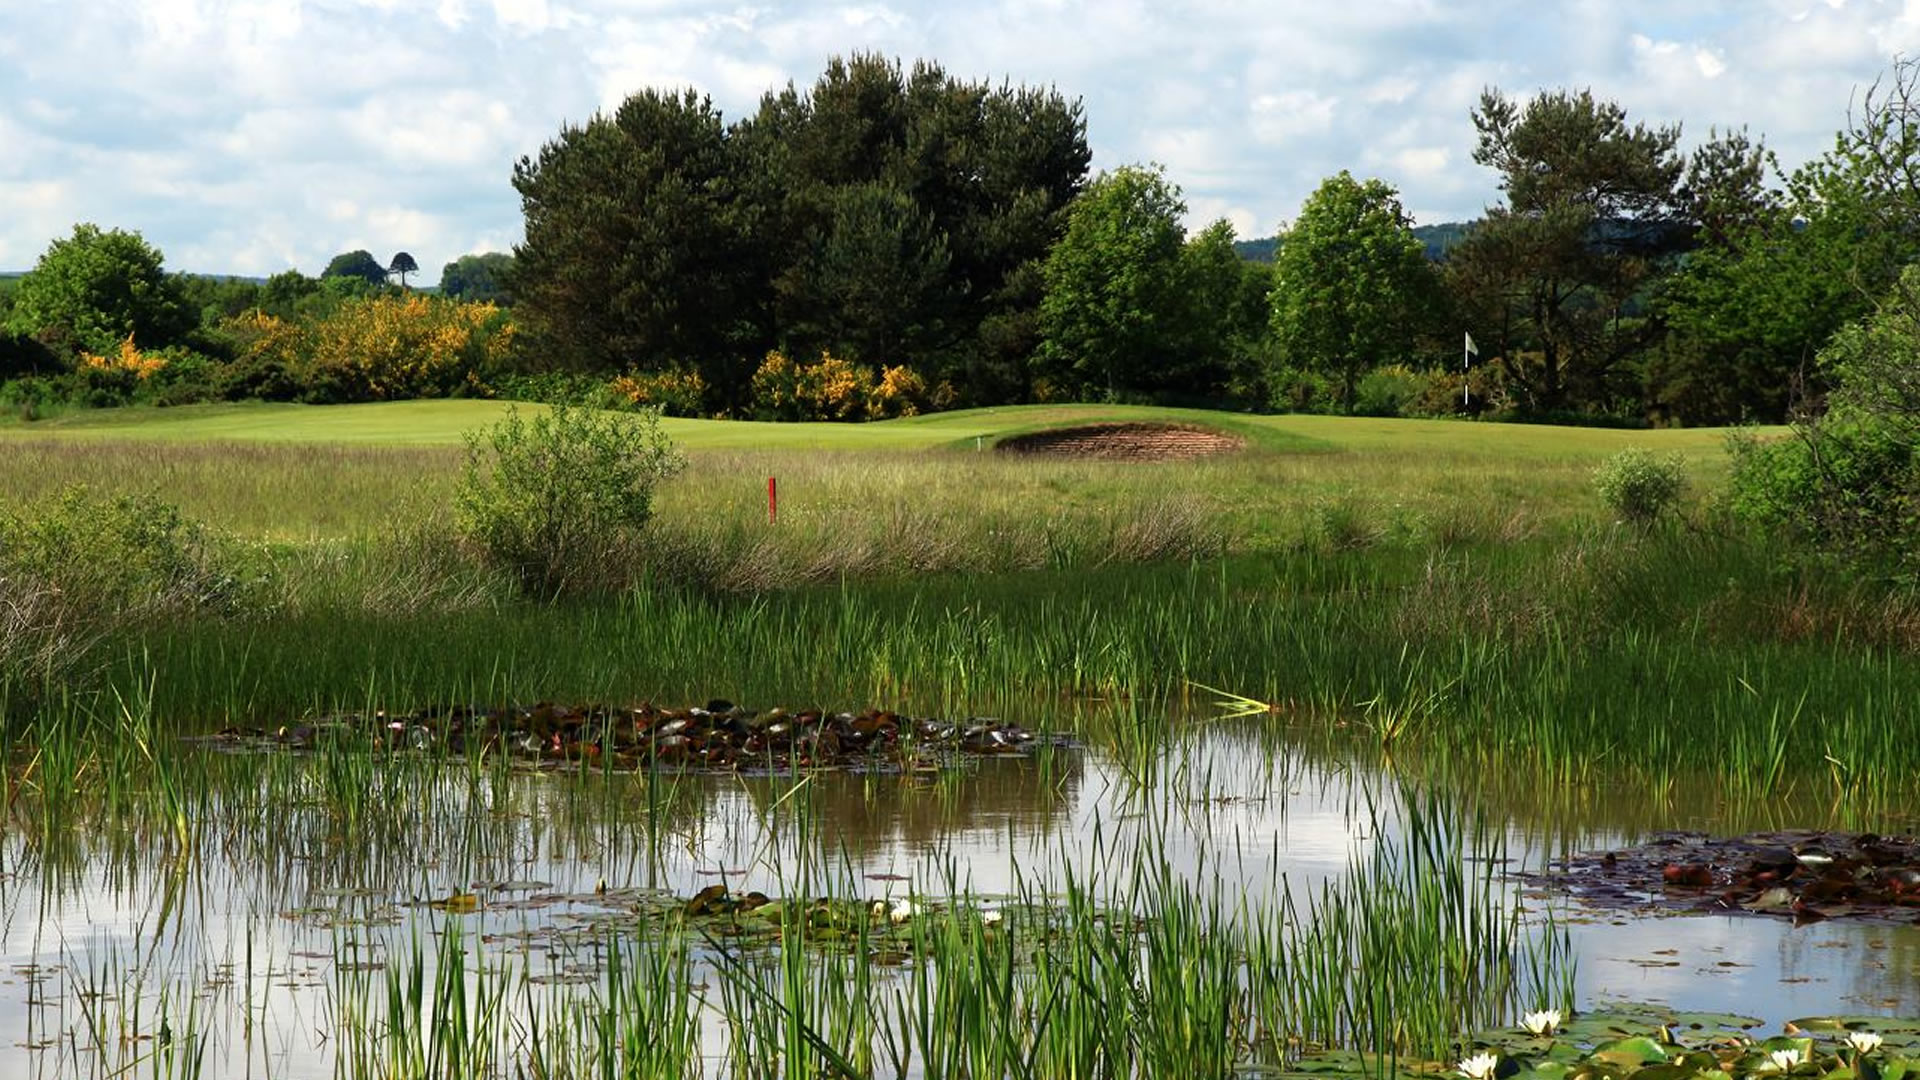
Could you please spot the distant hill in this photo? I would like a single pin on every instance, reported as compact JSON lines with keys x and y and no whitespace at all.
{"x":1438,"y":239}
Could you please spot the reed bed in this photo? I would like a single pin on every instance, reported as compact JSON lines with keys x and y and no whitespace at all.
{"x":1615,"y":659}
{"x":1123,"y":969}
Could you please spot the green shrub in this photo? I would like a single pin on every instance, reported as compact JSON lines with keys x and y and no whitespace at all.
{"x":1386,"y":391}
{"x":560,"y":499}
{"x":1639,"y":485}
{"x":557,"y":388}
{"x":83,"y":568}
{"x":1297,"y":390}
{"x":1848,"y":482}
{"x":1843,"y":484}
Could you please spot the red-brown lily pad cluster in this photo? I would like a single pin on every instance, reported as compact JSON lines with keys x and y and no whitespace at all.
{"x":1803,"y":875}
{"x":719,"y":735}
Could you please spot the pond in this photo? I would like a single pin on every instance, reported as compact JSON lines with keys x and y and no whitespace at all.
{"x":271,"y":922}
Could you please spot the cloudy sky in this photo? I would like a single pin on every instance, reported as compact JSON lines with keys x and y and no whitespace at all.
{"x":250,"y":136}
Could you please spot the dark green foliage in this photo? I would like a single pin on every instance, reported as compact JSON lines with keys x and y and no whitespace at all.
{"x":876,"y":284}
{"x":402,"y":265}
{"x":94,"y":289}
{"x":1783,"y":273}
{"x":1226,"y":321}
{"x":483,"y":278}
{"x":989,"y":170}
{"x":23,"y":356}
{"x":1550,"y":283}
{"x":1352,"y":284}
{"x":360,"y":265}
{"x":559,"y":500}
{"x":216,"y":298}
{"x":286,"y":293}
{"x":1115,"y":305}
{"x":637,"y":250}
{"x":884,"y":215}
{"x":1849,"y":481}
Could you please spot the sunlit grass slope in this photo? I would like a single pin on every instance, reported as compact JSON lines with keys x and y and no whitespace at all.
{"x":304,"y":472}
{"x":442,"y":423}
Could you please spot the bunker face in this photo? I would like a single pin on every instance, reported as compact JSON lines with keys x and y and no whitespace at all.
{"x":1125,"y":442}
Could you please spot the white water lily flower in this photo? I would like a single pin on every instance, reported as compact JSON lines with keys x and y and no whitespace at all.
{"x":1785,"y":1059}
{"x":1865,"y":1042}
{"x":1544,"y":1022}
{"x":903,"y":910}
{"x":1479,"y":1066}
{"x":990,"y":918}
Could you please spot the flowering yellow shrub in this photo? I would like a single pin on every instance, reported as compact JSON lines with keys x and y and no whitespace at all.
{"x":672,"y":392}
{"x":834,"y":389}
{"x":264,"y":337}
{"x":900,"y":392}
{"x":827,"y":389}
{"x":382,"y":348}
{"x":129,"y":359}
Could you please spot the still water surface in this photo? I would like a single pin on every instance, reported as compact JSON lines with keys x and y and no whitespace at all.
{"x":259,"y":926}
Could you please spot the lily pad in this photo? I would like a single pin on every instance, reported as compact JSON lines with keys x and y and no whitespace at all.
{"x":1633,"y":1052}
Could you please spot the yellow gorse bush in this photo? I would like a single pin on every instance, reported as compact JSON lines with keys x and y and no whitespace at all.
{"x":676,"y":393}
{"x":261,"y":336}
{"x":835,"y":389}
{"x":129,"y":358}
{"x":381,"y":348}
{"x":391,"y":347}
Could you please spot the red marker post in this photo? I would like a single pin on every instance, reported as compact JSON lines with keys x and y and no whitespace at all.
{"x":773,"y":501}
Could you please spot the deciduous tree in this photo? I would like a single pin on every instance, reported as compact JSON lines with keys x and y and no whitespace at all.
{"x":482,"y":277}
{"x":356,"y":264}
{"x":96,"y":288}
{"x":1352,"y":282}
{"x":1114,"y":307}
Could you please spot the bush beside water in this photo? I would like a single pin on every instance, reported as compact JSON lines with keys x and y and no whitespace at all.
{"x":559,"y":499}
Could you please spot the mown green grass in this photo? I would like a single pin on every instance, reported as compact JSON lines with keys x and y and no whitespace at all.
{"x":306,"y":472}
{"x":430,"y":423}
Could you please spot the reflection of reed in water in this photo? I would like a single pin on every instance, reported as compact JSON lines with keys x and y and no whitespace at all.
{"x":859,"y":815}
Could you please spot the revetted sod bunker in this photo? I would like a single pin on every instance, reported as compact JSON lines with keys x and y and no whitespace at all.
{"x":1125,"y":442}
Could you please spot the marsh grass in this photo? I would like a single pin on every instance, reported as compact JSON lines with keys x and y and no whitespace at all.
{"x":1610,"y":657}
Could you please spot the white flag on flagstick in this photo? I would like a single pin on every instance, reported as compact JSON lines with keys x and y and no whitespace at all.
{"x":1466,"y":361}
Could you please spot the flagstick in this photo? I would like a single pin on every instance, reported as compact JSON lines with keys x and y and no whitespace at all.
{"x":1467,"y":352}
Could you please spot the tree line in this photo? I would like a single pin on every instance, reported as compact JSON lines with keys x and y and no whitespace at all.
{"x":893,"y":238}
{"x":888,"y":216}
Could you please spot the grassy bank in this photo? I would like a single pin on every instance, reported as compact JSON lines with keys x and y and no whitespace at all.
{"x":1444,"y":592}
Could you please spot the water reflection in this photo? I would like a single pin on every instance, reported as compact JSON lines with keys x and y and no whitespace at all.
{"x":290,"y":884}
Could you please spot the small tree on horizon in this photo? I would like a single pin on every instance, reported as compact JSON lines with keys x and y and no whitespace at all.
{"x":403,"y":265}
{"x":357,"y":264}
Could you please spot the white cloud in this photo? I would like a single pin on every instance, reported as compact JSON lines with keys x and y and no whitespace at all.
{"x":1280,"y":117}
{"x":250,"y":134}
{"x":1418,"y":162}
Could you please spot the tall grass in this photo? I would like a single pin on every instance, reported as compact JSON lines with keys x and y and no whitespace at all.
{"x":1650,"y":661}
